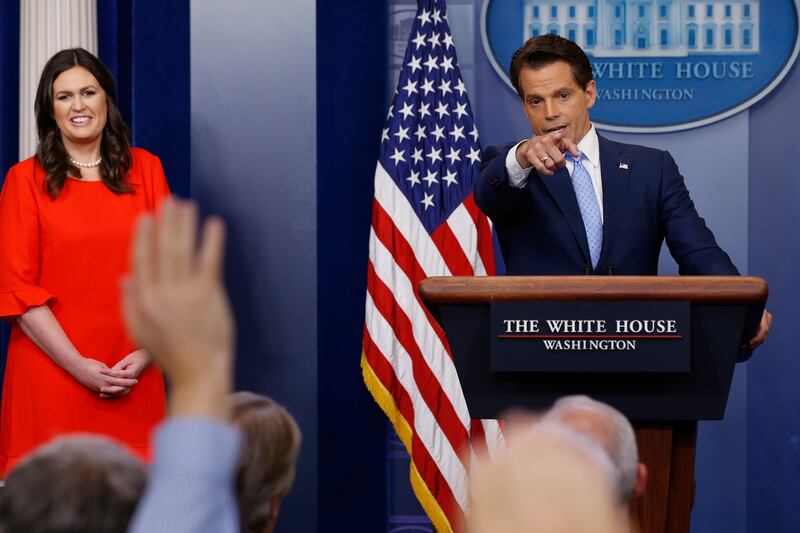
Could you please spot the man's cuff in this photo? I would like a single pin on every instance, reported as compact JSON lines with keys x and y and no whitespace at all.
{"x":517,"y":176}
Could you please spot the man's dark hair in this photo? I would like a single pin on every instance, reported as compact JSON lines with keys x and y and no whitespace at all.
{"x":74,"y":484}
{"x":545,"y":50}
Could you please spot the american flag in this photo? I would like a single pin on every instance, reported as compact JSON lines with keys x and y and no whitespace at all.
{"x":425,"y":223}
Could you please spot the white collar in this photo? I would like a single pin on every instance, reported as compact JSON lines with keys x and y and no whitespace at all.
{"x":589,"y":146}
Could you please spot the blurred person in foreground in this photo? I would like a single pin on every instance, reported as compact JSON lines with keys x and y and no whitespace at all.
{"x":266,"y":469}
{"x":66,"y":217}
{"x":549,"y":479}
{"x":75,"y":483}
{"x":176,"y":308}
{"x":612,"y":432}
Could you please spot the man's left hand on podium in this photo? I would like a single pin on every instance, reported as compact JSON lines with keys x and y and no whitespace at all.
{"x":761,"y":334}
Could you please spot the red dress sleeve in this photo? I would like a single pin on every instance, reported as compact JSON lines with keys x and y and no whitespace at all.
{"x":19,"y":245}
{"x":156,"y":188}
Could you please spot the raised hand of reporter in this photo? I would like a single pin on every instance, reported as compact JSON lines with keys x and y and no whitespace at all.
{"x":176,"y":307}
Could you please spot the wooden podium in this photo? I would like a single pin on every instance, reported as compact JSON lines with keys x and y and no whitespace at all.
{"x":663,"y":406}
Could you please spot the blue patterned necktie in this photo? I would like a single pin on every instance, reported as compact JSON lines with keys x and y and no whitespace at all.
{"x":590,"y":210}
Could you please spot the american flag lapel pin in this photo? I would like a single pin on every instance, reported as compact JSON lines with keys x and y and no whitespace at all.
{"x":623,"y":166}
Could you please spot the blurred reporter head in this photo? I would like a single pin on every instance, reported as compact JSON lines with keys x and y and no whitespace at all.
{"x":267,"y":461}
{"x":612,"y":431}
{"x":82,"y":484}
{"x":549,"y":479}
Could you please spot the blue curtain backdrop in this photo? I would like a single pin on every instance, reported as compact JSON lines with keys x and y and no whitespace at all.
{"x":9,"y":84}
{"x":146,"y":45}
{"x":350,"y":114}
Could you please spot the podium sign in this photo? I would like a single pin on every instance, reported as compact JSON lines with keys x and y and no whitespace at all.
{"x":593,"y":336}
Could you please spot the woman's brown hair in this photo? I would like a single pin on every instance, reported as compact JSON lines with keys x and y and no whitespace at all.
{"x":115,"y":144}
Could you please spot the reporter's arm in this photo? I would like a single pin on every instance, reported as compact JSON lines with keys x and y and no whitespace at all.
{"x":176,"y":308}
{"x":191,"y":486}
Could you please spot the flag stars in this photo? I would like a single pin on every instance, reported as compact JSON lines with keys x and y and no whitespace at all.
{"x":406,"y":111}
{"x":424,"y":17}
{"x":419,"y":40}
{"x":450,"y":178}
{"x":424,"y":110}
{"x":430,"y":178}
{"x":447,"y":64}
{"x":453,"y":156}
{"x":461,"y":109}
{"x":430,"y":64}
{"x":427,"y":200}
{"x":415,"y":64}
{"x":402,"y":133}
{"x":411,"y":87}
{"x":427,"y":140}
{"x":448,"y":41}
{"x":458,"y":133}
{"x":433,"y":155}
{"x":460,"y":87}
{"x":398,"y":156}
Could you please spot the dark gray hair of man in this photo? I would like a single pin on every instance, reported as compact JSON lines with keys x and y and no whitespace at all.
{"x":618,"y":438}
{"x":78,"y":483}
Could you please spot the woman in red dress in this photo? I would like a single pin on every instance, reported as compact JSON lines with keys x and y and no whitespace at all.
{"x":66,"y":220}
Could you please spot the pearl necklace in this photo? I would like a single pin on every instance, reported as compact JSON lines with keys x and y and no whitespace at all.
{"x":91,"y":164}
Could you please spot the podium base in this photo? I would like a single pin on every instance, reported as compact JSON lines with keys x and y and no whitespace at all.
{"x":668,"y":452}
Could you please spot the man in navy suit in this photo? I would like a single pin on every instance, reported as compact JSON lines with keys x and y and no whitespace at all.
{"x":567,"y":201}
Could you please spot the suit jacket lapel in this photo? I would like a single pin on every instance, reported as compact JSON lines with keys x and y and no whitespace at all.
{"x":560,"y":187}
{"x":615,"y":171}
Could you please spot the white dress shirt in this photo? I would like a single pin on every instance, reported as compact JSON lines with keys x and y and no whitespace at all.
{"x":589,"y":147}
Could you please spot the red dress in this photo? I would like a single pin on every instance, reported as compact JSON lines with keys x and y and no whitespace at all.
{"x":71,"y":253}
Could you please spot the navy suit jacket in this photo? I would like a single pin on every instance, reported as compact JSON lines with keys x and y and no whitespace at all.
{"x":645,"y":201}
